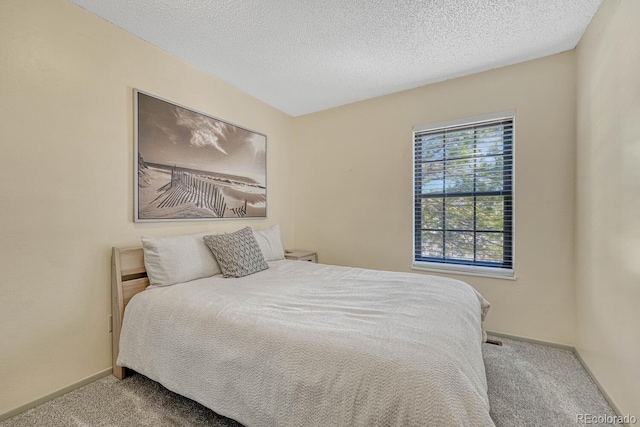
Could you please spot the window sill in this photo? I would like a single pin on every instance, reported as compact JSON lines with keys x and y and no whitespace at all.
{"x":465,"y":271}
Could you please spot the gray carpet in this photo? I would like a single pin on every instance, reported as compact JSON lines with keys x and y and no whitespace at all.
{"x":537,"y":385}
{"x":529,"y":385}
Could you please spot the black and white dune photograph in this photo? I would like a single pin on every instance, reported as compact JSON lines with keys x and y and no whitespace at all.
{"x":193,"y":166}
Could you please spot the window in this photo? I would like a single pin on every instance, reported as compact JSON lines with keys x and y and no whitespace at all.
{"x":463,"y":196}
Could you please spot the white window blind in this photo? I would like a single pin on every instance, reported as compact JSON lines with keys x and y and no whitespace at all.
{"x":463,"y":204}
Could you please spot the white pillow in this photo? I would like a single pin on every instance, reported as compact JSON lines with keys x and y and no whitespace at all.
{"x":177,"y":259}
{"x":270,"y":243}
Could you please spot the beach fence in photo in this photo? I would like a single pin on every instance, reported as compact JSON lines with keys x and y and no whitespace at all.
{"x":186,"y":187}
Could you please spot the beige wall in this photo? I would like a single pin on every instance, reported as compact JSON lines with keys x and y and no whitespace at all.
{"x":354,"y":185}
{"x":608,"y":201}
{"x":66,"y":118}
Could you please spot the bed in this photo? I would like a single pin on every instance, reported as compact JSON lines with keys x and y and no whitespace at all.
{"x":305,"y":344}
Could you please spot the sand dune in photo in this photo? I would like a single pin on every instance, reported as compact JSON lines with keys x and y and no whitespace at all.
{"x":166,"y":192}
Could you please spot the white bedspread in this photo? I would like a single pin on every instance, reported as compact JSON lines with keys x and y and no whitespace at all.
{"x":304,"y":344}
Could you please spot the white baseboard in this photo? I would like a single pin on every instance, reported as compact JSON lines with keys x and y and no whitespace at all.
{"x":602,"y":390}
{"x":39,"y":401}
{"x":531,"y":340}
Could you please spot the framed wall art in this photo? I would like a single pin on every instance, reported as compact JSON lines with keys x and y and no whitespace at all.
{"x":192,"y":166}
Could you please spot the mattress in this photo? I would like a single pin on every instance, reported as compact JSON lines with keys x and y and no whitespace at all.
{"x":305,"y":344}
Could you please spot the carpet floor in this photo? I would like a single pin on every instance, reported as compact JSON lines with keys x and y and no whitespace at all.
{"x":529,"y":385}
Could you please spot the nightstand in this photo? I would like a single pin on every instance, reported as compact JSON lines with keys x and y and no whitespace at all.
{"x":302,"y":256}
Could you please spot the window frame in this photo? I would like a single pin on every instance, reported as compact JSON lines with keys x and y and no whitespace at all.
{"x":454,"y":266}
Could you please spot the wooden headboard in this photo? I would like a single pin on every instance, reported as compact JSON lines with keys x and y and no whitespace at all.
{"x":128,"y":277}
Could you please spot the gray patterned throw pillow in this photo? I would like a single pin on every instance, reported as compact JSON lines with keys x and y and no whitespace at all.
{"x":237,"y":253}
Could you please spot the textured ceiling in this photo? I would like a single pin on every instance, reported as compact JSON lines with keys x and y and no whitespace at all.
{"x":303,"y":56}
